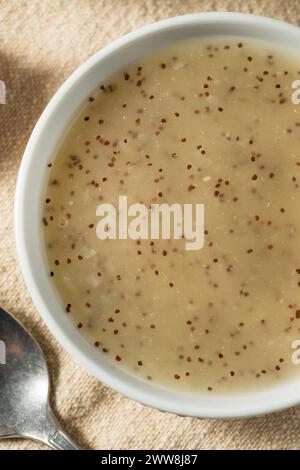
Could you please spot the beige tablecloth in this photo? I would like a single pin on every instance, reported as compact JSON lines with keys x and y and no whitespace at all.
{"x":41,"y":43}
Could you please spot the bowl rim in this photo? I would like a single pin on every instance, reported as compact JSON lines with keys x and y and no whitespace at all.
{"x":229,"y":406}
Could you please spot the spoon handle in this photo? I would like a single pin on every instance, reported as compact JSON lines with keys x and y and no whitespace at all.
{"x":61,"y":441}
{"x":55,"y":437}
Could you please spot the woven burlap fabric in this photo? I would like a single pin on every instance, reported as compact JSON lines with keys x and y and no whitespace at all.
{"x":41,"y":43}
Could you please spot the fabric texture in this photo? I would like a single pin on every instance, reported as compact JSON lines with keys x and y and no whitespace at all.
{"x":41,"y":43}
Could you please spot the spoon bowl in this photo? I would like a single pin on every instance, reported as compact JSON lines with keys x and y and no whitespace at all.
{"x":24,"y":388}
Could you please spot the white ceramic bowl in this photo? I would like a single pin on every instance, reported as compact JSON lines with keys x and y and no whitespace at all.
{"x":40,"y":149}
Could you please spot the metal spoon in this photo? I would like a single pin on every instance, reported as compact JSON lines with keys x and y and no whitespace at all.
{"x":24,"y":388}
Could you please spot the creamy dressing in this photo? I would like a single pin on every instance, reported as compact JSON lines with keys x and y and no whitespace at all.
{"x":197,"y":122}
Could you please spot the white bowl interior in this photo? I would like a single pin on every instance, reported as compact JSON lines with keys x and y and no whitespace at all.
{"x":31,"y":181}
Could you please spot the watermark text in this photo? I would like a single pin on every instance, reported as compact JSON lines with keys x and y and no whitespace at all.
{"x":2,"y":92}
{"x":160,"y":221}
{"x":2,"y":353}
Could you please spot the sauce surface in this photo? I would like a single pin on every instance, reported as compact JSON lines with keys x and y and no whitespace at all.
{"x":199,"y":122}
